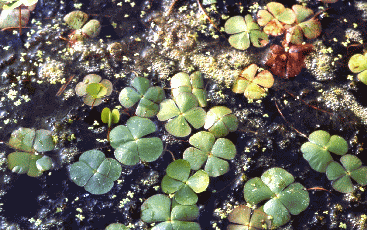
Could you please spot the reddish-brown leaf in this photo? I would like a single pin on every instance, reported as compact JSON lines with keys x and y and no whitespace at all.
{"x":287,"y":64}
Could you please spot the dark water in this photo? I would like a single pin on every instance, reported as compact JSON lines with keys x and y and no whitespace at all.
{"x":266,"y":138}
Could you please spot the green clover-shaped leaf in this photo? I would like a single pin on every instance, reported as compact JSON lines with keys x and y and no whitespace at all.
{"x":243,"y":31}
{"x":129,"y":144}
{"x":209,"y":152}
{"x":341,"y":174}
{"x":317,"y":150}
{"x":309,"y":27}
{"x":168,"y":214}
{"x":181,"y":111}
{"x":179,"y":182}
{"x":220,"y":121}
{"x":241,"y":218}
{"x":253,"y":87}
{"x":182,"y":82}
{"x":148,"y":97}
{"x":285,"y":196}
{"x":275,"y":17}
{"x":95,"y":172}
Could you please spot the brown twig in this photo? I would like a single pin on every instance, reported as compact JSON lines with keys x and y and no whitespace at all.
{"x":319,"y":189}
{"x":64,"y":86}
{"x":281,"y":114}
{"x":207,"y":16}
{"x":171,"y":8}
{"x":11,"y":28}
{"x":20,"y":21}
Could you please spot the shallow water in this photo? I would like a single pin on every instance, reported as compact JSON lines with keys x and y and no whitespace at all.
{"x":36,"y":64}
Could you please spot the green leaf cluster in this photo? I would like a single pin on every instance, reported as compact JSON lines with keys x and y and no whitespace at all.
{"x":168,"y":214}
{"x":358,"y":64}
{"x":298,"y":22}
{"x":341,"y":175}
{"x":244,"y":30}
{"x":194,"y":83}
{"x":220,"y":121}
{"x":284,"y":197}
{"x":147,"y":96}
{"x":77,"y":21}
{"x":213,"y":153}
{"x":129,"y":144}
{"x":253,"y":87}
{"x":93,"y":89}
{"x":179,"y":182}
{"x":30,"y":141}
{"x":275,"y":17}
{"x":317,"y":150}
{"x":242,"y":218}
{"x":180,"y":111}
{"x":317,"y":153}
{"x":95,"y":172}
{"x":305,"y":25}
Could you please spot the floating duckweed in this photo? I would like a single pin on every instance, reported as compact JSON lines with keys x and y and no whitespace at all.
{"x":319,"y":63}
{"x":340,"y":99}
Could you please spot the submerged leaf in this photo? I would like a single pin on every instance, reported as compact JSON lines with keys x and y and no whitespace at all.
{"x":287,"y":64}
